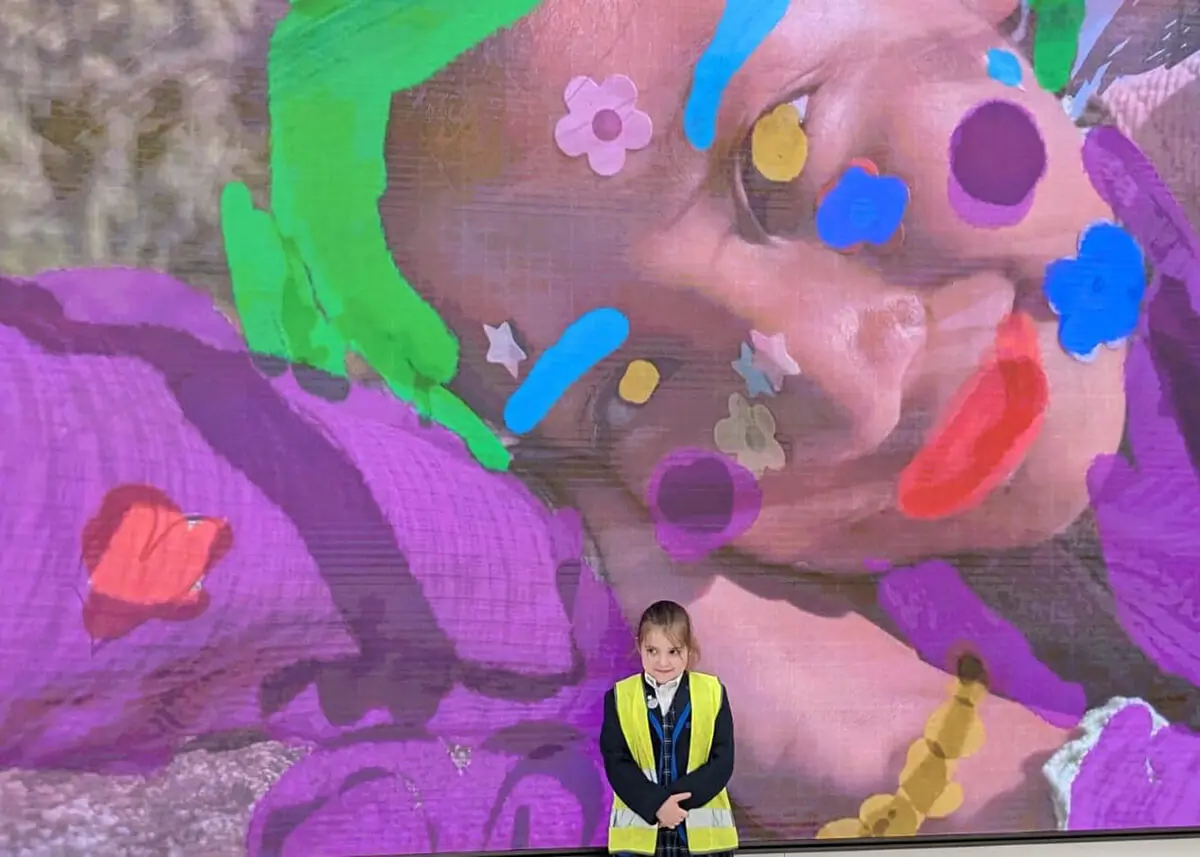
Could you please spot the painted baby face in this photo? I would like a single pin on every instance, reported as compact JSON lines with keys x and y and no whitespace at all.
{"x":495,"y":223}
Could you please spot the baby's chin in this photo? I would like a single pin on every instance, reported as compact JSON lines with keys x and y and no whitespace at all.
{"x":890,"y":538}
{"x":1042,"y":499}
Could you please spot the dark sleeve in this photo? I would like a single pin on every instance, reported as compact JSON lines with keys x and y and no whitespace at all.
{"x":706,"y":782}
{"x":639,"y":793}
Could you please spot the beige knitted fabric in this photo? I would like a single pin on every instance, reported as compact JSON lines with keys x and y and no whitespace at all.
{"x":122,"y":120}
{"x":119,"y":124}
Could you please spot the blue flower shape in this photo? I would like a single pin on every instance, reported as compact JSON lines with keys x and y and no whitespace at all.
{"x":1097,"y":296}
{"x":861,"y":209}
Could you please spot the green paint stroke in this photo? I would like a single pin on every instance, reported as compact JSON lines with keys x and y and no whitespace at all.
{"x":258,"y":268}
{"x":271,"y":290}
{"x":317,"y":277}
{"x":1056,"y":29}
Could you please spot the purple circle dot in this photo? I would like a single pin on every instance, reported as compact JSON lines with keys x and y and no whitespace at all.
{"x":697,"y":497}
{"x":997,"y":154}
{"x":607,"y":125}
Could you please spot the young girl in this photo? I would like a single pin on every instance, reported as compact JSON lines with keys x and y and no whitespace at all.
{"x":667,"y":743}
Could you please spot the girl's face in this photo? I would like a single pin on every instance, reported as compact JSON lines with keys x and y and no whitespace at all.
{"x":661,"y":658}
{"x":495,"y":224}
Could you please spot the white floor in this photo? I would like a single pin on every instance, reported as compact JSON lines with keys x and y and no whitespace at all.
{"x":1127,"y":848}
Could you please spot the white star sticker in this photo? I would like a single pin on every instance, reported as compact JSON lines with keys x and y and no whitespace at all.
{"x":772,"y":359}
{"x":503,"y":349}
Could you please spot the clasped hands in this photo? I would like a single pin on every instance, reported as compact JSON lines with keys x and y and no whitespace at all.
{"x":671,"y":814}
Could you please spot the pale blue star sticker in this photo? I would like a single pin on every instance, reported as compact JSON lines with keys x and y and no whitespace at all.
{"x":757,"y":383}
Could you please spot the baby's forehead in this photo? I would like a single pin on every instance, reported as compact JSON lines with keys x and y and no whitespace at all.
{"x":654,"y":42}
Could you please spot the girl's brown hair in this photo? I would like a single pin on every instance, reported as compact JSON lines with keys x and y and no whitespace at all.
{"x":673,"y":620}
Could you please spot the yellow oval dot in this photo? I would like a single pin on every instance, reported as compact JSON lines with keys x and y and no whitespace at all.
{"x":924,"y":776}
{"x":919,"y":752}
{"x":889,"y":815}
{"x":948,"y":802}
{"x":842,"y":828}
{"x":955,"y":731}
{"x":778,"y":144}
{"x":639,"y":382}
{"x":970,"y":692}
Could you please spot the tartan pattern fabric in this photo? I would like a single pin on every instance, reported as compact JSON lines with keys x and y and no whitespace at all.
{"x":672,"y":843}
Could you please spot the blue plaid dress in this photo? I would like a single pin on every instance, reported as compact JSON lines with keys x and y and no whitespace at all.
{"x":667,"y":727}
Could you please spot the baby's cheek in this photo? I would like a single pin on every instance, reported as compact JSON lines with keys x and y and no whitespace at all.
{"x":994,"y":11}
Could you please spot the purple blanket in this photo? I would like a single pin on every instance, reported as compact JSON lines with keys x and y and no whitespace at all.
{"x":430,"y":627}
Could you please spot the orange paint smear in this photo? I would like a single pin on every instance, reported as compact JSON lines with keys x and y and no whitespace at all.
{"x":868,"y":166}
{"x":987,"y":432}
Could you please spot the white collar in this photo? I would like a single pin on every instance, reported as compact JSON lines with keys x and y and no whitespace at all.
{"x":666,"y":685}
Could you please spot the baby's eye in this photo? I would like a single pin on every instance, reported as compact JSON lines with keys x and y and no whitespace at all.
{"x":769,"y":165}
{"x":629,"y":389}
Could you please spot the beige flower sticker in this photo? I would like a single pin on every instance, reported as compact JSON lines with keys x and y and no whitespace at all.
{"x":748,"y":434}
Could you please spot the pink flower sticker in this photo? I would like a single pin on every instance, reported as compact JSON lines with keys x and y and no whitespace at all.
{"x":602,"y":122}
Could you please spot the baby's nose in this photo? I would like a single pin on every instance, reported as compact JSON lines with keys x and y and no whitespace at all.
{"x":857,"y":360}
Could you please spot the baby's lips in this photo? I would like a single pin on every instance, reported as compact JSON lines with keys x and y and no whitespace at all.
{"x":988,"y":429}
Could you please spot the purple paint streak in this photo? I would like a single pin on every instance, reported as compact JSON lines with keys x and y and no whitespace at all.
{"x":700,"y":501}
{"x":1126,"y":180}
{"x":1135,"y":780}
{"x":944,"y":620}
{"x":1146,"y":514}
{"x":382,"y":586}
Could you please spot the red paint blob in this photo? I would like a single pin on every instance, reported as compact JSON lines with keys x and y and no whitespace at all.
{"x":145,"y":560}
{"x":987,"y":431}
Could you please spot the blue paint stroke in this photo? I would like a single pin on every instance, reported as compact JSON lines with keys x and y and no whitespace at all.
{"x":862,"y":209}
{"x":742,"y":28}
{"x":1003,"y":66}
{"x":589,"y":339}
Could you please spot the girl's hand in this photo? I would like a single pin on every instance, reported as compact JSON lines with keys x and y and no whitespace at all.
{"x":671,"y":814}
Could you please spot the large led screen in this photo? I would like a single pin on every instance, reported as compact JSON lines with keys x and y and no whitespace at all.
{"x":368,"y":366}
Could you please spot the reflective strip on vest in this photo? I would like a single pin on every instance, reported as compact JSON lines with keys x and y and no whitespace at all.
{"x":623,"y":816}
{"x":709,"y":828}
{"x":696,"y":819}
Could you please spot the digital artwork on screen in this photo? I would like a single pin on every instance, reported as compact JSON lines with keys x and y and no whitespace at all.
{"x":368,"y":366}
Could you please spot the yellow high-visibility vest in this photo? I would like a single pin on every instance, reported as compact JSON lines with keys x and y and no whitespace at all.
{"x":710,"y":827}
